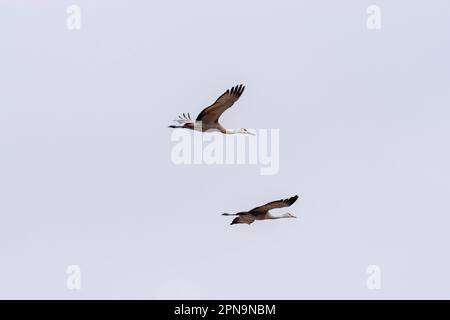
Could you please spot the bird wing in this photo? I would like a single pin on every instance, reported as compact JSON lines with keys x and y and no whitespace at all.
{"x":244,"y":218}
{"x":225,"y":101}
{"x":184,"y":119}
{"x":274,"y":205}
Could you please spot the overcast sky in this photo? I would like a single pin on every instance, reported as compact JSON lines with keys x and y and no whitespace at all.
{"x":86,"y":176}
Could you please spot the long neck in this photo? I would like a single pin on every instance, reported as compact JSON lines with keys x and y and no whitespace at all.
{"x":286,"y":215}
{"x":231,"y":131}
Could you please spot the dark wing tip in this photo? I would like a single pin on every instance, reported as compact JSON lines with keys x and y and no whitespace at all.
{"x":241,"y":90}
{"x":291,"y":200}
{"x":236,"y":90}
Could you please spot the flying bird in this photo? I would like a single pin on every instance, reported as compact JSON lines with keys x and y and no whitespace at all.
{"x":208,"y":119}
{"x":262,"y":212}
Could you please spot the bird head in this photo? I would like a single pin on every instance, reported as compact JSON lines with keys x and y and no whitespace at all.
{"x":290,"y":215}
{"x":245,"y":131}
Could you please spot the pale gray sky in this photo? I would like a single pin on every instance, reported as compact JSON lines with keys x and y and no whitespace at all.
{"x":86,"y":176}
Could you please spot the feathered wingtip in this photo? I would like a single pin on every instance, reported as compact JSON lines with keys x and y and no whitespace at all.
{"x":236,"y":90}
{"x":185,"y":118}
{"x":291,"y":200}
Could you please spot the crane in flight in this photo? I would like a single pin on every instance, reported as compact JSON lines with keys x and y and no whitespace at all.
{"x":208,"y":119}
{"x":262,"y":212}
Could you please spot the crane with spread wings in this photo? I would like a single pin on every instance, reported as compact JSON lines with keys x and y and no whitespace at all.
{"x":208,"y":119}
{"x":262,"y":212}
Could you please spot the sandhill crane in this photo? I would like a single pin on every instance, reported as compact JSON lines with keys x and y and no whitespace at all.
{"x":262,"y":212}
{"x":208,"y":119}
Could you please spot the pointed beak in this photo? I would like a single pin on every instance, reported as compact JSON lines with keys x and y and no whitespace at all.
{"x":251,"y":133}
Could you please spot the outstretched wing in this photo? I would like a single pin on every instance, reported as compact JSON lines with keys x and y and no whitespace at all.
{"x":274,"y":205}
{"x":244,"y":218}
{"x":225,"y":101}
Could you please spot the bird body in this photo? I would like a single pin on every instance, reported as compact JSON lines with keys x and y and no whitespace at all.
{"x":262,"y":212}
{"x":208,"y":119}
